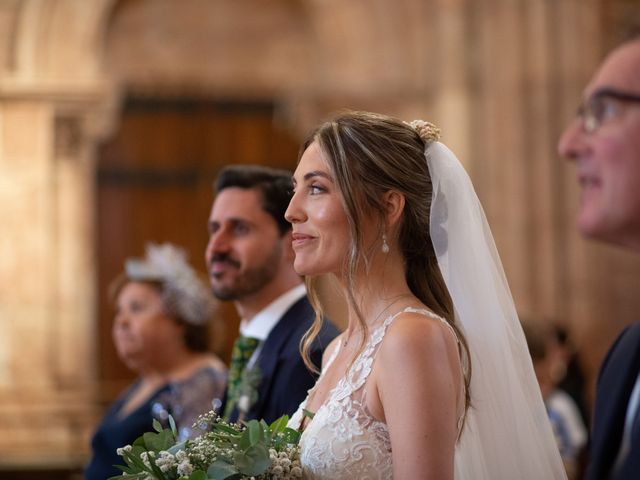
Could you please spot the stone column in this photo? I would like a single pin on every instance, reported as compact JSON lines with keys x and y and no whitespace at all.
{"x":54,"y":105}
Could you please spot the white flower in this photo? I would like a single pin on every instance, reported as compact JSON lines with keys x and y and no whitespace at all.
{"x":145,"y":459}
{"x":296,"y":472}
{"x":181,"y":456}
{"x":166,"y":461}
{"x":123,"y":450}
{"x":185,"y":468}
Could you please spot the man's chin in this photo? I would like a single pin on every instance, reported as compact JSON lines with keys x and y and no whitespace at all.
{"x":595,"y":229}
{"x":224,"y":293}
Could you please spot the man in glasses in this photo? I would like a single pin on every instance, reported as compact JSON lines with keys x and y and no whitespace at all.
{"x":604,"y":144}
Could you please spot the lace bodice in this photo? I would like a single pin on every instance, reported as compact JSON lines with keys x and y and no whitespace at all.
{"x":344,"y":441}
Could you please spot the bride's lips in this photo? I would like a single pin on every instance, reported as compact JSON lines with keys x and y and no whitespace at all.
{"x":301,"y":239}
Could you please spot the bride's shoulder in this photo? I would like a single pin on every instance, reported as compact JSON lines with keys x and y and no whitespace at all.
{"x":418,"y":333}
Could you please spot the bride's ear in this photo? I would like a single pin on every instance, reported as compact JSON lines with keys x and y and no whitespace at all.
{"x":394,"y":206}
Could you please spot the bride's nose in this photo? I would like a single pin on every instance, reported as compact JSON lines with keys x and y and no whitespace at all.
{"x":294,"y":213}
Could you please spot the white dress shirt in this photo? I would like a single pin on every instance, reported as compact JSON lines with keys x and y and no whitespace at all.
{"x":261,"y":324}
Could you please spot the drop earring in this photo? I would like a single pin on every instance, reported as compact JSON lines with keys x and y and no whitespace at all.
{"x":385,"y":245}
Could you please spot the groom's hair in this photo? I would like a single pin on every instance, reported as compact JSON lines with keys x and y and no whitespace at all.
{"x":275,"y":187}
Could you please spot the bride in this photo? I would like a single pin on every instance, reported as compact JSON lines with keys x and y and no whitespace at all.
{"x":432,"y":378}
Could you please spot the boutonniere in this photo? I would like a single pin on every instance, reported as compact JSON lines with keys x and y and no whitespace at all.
{"x":248,"y":390}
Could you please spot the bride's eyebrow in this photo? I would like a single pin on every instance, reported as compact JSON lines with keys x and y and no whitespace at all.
{"x":317,"y":173}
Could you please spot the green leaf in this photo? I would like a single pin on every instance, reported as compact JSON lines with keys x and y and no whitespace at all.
{"x":138,"y":442}
{"x":244,"y":441}
{"x":291,"y":436}
{"x":279,"y":424}
{"x":226,"y":429}
{"x":178,"y":446}
{"x":253,"y":461}
{"x":198,"y":475}
{"x":221,"y":470}
{"x":157,"y":426}
{"x":159,"y":441}
{"x":172,"y":424}
{"x":256,"y":434}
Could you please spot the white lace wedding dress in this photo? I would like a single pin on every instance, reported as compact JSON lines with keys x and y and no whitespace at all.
{"x":343,"y":440}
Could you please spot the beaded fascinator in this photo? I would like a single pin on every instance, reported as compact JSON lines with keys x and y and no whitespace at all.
{"x":184,"y":294}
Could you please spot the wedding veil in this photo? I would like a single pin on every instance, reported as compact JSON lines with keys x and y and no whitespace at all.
{"x":507,"y":434}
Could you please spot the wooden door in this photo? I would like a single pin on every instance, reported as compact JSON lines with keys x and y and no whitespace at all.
{"x":155,"y":184}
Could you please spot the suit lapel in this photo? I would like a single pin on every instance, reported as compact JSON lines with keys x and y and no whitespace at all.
{"x":275,"y":344}
{"x":613,"y":392}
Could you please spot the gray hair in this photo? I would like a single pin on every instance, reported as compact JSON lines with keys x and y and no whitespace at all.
{"x":185,"y":296}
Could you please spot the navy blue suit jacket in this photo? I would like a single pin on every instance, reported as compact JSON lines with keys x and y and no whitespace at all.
{"x":616,"y":381}
{"x":285,"y":378}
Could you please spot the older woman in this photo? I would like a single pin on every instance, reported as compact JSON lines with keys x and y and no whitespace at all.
{"x":160,"y":331}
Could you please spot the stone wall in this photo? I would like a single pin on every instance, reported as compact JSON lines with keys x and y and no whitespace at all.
{"x":501,"y":77}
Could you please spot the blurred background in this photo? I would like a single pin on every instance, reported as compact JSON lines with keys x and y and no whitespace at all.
{"x":115,"y":116}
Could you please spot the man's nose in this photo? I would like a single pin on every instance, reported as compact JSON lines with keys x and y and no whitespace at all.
{"x":121,"y":320}
{"x":572,"y":142}
{"x":218,"y":243}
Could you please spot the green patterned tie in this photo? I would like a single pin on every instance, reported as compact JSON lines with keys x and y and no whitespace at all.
{"x":243,"y":348}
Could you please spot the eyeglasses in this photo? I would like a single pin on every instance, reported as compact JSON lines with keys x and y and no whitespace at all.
{"x":603,"y":105}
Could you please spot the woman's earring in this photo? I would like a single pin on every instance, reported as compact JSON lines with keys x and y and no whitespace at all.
{"x":385,"y":245}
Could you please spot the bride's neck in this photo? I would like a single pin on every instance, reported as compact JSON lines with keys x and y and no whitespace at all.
{"x":379,"y":293}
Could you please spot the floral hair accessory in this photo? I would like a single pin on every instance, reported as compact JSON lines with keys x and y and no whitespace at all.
{"x":427,"y":130}
{"x":183,"y":292}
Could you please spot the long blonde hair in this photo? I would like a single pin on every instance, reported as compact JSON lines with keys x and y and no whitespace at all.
{"x":370,"y":154}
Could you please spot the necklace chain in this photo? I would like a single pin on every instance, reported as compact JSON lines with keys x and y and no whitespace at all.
{"x":345,"y":340}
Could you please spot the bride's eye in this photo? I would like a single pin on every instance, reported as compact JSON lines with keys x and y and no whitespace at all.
{"x":315,"y":189}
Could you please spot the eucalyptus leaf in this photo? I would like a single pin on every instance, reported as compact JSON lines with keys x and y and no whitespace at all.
{"x":172,"y":424}
{"x":244,"y":441}
{"x":266,"y":432}
{"x":256,"y":434}
{"x":291,"y":436}
{"x":159,"y":441}
{"x":177,"y":447}
{"x":253,"y":461}
{"x":221,"y":470}
{"x":198,"y":475}
{"x":157,"y":426}
{"x":279,"y":424}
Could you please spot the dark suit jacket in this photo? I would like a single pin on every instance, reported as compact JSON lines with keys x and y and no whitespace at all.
{"x":616,"y":381}
{"x":285,"y":378}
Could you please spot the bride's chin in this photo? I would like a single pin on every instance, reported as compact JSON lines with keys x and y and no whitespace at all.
{"x":306,"y":270}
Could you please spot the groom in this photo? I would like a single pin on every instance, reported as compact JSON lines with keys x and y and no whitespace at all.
{"x":604,"y":144}
{"x":250,"y":261}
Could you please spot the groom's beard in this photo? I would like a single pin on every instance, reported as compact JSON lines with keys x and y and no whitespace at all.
{"x":237,"y":283}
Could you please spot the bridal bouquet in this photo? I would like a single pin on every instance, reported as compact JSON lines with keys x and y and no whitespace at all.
{"x":224,"y":451}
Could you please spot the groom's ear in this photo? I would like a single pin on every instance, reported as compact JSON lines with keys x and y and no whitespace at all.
{"x":394,"y":206}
